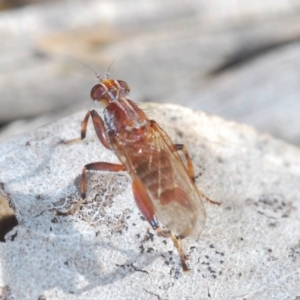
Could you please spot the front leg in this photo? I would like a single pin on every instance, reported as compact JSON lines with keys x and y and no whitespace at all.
{"x":99,"y":128}
{"x":99,"y":166}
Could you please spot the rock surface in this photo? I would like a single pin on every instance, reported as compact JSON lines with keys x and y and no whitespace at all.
{"x":249,"y":248}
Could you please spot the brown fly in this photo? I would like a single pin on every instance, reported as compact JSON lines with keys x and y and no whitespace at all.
{"x":163,"y":184}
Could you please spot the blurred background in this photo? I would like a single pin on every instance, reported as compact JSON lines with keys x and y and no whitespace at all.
{"x":237,"y":59}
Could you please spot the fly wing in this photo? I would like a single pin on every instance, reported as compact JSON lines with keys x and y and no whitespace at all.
{"x":157,"y":164}
{"x":177,"y":200}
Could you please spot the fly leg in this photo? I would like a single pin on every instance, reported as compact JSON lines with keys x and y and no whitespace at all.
{"x":82,"y":132}
{"x":191,"y":172}
{"x":99,"y":128}
{"x":146,"y":207}
{"x":190,"y":167}
{"x":96,"y":166}
{"x":178,"y":244}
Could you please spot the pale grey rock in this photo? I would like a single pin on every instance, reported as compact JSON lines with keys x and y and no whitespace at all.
{"x":249,"y":248}
{"x":22,"y":126}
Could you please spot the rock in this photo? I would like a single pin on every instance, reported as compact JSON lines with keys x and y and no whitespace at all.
{"x":249,"y":248}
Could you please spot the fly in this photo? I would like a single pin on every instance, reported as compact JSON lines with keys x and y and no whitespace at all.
{"x":163,"y":184}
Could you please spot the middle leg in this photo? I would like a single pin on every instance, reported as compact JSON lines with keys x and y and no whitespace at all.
{"x":96,"y":166}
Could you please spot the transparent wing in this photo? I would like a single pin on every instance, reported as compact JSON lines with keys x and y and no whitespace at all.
{"x":157,"y":164}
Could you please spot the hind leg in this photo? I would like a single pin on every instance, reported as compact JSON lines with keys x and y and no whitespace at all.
{"x":178,"y":244}
{"x":146,"y":207}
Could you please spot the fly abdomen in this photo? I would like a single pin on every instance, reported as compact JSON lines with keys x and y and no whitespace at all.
{"x":159,"y":179}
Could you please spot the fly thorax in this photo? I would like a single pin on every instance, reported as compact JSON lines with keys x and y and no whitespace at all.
{"x":135,"y":134}
{"x":126,"y":121}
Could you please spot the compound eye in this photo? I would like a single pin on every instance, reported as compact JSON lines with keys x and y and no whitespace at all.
{"x":124,"y":86}
{"x":97,"y":92}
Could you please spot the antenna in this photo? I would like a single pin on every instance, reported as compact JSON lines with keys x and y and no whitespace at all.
{"x":97,"y":75}
{"x":107,"y":72}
